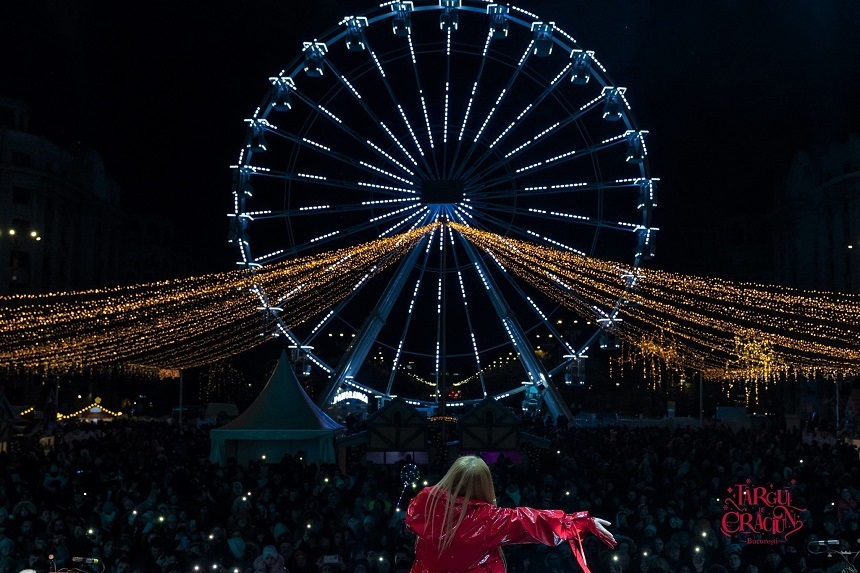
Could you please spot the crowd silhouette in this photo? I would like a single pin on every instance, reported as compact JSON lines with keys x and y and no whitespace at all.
{"x":142,"y":497}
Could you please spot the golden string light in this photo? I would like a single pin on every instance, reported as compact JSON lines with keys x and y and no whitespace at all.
{"x":485,"y":370}
{"x":725,"y":330}
{"x":173,"y":325}
{"x":656,"y":353}
{"x":96,"y":404}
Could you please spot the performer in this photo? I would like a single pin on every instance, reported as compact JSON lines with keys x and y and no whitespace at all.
{"x":451,"y":538}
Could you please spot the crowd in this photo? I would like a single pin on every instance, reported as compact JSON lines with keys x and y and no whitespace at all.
{"x":143,"y":497}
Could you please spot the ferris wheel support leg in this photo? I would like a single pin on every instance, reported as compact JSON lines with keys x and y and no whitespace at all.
{"x":357,"y":352}
{"x":532,"y":365}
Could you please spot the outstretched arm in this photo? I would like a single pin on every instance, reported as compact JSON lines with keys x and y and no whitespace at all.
{"x":506,"y":526}
{"x":551,"y":527}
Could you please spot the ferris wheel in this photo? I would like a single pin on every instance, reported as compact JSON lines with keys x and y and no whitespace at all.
{"x":455,"y":110}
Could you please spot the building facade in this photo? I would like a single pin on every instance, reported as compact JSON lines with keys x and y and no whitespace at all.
{"x":817,"y":222}
{"x":59,"y":212}
{"x":62,"y":223}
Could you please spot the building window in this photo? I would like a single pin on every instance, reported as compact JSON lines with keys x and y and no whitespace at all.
{"x":21,"y":195}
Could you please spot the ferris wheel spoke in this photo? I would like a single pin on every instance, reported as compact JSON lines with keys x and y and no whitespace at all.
{"x":398,"y":206}
{"x":533,"y":305}
{"x":438,"y":351}
{"x":424,"y":106}
{"x":327,"y":319}
{"x":586,"y":306}
{"x":519,"y":121}
{"x":561,"y":188}
{"x":459,"y":173}
{"x":472,"y":96}
{"x":409,"y":314}
{"x":379,"y":122}
{"x":542,"y":165}
{"x":544,"y":134}
{"x":360,"y":347}
{"x":327,"y":238}
{"x":396,"y":103}
{"x":369,"y":145}
{"x":417,"y":218}
{"x":525,"y":233}
{"x":421,"y":97}
{"x":339,"y":123}
{"x":533,"y":367}
{"x":447,"y":103}
{"x":560,"y":215}
{"x":325,"y":181}
{"x":345,"y":158}
{"x":472,"y":336}
{"x":368,"y":332}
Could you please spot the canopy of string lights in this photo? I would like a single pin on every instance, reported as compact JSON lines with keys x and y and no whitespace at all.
{"x":186,"y":323}
{"x":722,"y":329}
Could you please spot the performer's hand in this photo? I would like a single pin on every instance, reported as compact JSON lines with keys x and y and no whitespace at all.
{"x":597,"y":526}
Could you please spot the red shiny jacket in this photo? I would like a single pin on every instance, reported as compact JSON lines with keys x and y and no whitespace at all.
{"x":477,"y":542}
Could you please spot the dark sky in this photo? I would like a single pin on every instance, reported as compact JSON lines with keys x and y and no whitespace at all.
{"x":729,"y":90}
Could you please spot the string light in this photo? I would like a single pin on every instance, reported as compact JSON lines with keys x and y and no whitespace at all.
{"x":726,"y":330}
{"x":173,"y":325}
{"x":751,"y":333}
{"x":85,"y":410}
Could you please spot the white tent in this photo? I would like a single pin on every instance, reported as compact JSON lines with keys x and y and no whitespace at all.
{"x":282,"y":420}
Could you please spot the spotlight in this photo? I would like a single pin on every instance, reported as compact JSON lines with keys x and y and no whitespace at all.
{"x":498,"y":21}
{"x":542,"y":38}
{"x":581,"y":68}
{"x":401,"y":22}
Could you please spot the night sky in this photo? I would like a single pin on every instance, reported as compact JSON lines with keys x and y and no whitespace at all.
{"x":730,"y":90}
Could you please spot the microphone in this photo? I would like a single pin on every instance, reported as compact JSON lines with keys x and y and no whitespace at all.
{"x":85,"y":560}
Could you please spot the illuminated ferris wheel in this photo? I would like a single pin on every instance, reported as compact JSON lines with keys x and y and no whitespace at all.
{"x":419,"y":112}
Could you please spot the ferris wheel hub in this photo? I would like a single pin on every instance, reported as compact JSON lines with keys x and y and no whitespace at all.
{"x":442,"y":191}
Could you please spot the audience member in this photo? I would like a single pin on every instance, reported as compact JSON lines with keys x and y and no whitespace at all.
{"x":124,"y":492}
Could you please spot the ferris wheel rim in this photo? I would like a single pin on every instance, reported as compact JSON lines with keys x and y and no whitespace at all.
{"x":338,"y":35}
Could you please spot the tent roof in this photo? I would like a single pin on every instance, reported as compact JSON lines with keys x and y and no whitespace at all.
{"x":283,"y":405}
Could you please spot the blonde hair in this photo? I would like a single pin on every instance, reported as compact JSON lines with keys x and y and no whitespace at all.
{"x":468,"y":478}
